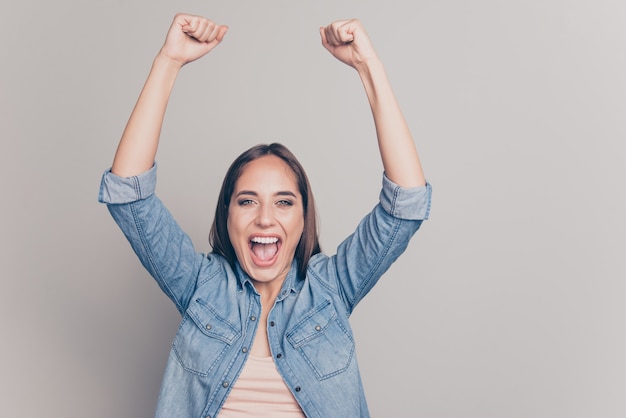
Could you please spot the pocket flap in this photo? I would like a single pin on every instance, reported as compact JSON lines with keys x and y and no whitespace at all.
{"x":313,"y":325}
{"x":210,"y":323}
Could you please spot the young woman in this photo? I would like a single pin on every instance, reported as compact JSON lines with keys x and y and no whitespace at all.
{"x":265,"y":328}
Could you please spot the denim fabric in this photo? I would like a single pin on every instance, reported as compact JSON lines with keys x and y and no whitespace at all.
{"x":309,"y":334}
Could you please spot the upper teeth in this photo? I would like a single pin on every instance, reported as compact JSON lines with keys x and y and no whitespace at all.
{"x":265,"y":240}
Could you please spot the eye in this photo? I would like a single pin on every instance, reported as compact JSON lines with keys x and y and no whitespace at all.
{"x":245,"y":202}
{"x":284,"y":202}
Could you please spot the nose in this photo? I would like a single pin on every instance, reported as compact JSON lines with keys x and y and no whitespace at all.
{"x":265,"y":216}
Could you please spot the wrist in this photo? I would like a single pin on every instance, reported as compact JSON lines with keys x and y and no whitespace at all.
{"x":167,"y":62}
{"x":370,"y":68}
{"x":371,"y":72}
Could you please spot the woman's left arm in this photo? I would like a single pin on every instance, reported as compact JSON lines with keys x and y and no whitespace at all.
{"x":347,"y":41}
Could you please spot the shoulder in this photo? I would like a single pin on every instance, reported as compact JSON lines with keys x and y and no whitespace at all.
{"x":322,"y":269}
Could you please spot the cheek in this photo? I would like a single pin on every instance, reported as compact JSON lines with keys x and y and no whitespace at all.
{"x":301,"y":227}
{"x":296,"y":227}
{"x":232,"y":226}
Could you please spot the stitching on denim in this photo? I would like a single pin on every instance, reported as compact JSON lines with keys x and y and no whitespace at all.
{"x":347,"y":304}
{"x":429,"y":194}
{"x":177,"y":343}
{"x":230,"y":365}
{"x":316,"y":370}
{"x":311,"y":272}
{"x":136,"y":187}
{"x":307,"y":317}
{"x":379,"y":262}
{"x":383,"y":255}
{"x":150,"y":257}
{"x":302,"y":343}
{"x":394,"y":201}
{"x":234,"y":360}
{"x":208,"y":279}
{"x":221,"y":320}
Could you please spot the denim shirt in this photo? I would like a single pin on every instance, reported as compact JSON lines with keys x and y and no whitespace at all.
{"x":310,"y":338}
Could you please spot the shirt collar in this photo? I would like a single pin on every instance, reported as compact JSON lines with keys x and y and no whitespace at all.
{"x":289,"y":285}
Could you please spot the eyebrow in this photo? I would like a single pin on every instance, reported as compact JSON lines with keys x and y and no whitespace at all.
{"x":279,"y":193}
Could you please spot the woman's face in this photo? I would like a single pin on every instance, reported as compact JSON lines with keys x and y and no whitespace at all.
{"x":266,"y":219}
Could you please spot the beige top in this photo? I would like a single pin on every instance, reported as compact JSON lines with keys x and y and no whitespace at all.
{"x":260,"y":392}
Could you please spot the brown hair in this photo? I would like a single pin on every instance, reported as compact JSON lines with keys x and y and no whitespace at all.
{"x":309,"y":241}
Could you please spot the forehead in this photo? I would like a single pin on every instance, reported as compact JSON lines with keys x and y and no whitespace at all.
{"x":267,"y":173}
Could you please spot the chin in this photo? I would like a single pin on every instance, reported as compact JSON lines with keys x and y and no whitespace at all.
{"x":267,"y":275}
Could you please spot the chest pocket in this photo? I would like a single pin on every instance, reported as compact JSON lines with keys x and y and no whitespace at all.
{"x":323,"y":342}
{"x":203,"y":338}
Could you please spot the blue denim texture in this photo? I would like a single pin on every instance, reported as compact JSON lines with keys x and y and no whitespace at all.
{"x":309,"y":334}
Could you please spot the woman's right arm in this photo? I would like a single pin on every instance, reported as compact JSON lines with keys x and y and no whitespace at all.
{"x":189,"y":38}
{"x":128,"y":188}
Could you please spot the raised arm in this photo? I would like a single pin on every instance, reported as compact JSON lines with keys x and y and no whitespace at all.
{"x":347,"y":41}
{"x":189,"y":38}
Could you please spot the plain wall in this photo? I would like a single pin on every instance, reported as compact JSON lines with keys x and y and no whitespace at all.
{"x":510,"y":301}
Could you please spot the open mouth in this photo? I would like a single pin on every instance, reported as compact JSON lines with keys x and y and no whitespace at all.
{"x":264,"y":250}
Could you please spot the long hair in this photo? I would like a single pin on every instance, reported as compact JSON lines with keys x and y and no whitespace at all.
{"x":309,"y":241}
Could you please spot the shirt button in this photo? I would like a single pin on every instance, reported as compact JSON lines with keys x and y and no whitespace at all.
{"x":272,"y":323}
{"x":318,"y":328}
{"x":279,"y":355}
{"x":225,"y":384}
{"x":298,"y":389}
{"x":208,"y":327}
{"x":253,"y":318}
{"x":245,"y":349}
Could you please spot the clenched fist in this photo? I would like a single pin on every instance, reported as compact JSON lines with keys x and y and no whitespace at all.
{"x":191,"y":37}
{"x":347,"y":41}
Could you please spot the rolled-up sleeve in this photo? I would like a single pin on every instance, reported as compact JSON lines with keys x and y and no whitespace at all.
{"x":163,"y":248}
{"x":119,"y":190}
{"x":411,"y":203}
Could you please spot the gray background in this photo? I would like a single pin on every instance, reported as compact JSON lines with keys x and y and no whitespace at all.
{"x":510,"y":302}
